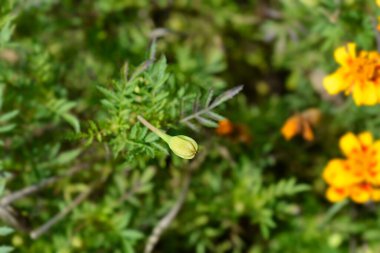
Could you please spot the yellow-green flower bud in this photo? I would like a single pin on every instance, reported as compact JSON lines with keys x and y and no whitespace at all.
{"x":183,"y":146}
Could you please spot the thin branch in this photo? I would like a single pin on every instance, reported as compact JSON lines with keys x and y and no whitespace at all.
{"x":11,"y":218}
{"x":77,"y":201}
{"x":58,"y":217}
{"x":218,"y":101}
{"x":165,"y":222}
{"x":169,"y":217}
{"x":6,"y":200}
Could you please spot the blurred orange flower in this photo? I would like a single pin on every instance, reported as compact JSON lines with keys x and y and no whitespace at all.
{"x":225,"y":127}
{"x":301,"y":123}
{"x":358,"y":175}
{"x":238,"y":132}
{"x":358,"y":74}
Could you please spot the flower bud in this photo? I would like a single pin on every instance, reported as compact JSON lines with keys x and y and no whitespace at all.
{"x":183,"y":146}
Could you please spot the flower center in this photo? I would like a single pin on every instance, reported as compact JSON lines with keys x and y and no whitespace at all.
{"x":363,"y":163}
{"x":364,"y":69}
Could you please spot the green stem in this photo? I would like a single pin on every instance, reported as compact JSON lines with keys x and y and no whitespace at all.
{"x":154,"y":129}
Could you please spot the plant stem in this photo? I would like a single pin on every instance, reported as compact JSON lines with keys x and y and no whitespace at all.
{"x":154,"y":129}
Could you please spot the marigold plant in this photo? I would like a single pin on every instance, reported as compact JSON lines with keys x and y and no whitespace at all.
{"x":358,"y":175}
{"x":358,"y":75}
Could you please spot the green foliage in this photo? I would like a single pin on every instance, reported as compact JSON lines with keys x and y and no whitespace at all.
{"x":74,"y":76}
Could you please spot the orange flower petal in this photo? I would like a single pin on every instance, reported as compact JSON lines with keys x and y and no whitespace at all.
{"x":336,"y":194}
{"x":375,"y":196}
{"x":366,"y":138}
{"x":337,"y":174}
{"x":376,"y":150}
{"x":361,"y":193}
{"x":335,"y":83}
{"x":373,"y":176}
{"x":345,"y":53}
{"x":365,"y":94}
{"x":307,"y":132}
{"x":348,"y":143}
{"x":291,"y":127}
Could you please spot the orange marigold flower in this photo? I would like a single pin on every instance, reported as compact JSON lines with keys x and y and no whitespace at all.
{"x":301,"y":123}
{"x":237,"y":132}
{"x":358,"y":175}
{"x":358,"y":74}
{"x":225,"y":127}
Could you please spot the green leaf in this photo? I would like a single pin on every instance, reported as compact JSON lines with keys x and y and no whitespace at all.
{"x":1,"y":95}
{"x":6,"y":33}
{"x":6,"y":249}
{"x":7,"y":128}
{"x":5,"y":231}
{"x":133,"y":133}
{"x":132,"y":234}
{"x":127,"y":247}
{"x":73,"y":121}
{"x":67,"y":106}
{"x":67,"y":156}
{"x":226,"y":96}
{"x":109,"y":94}
{"x":147,"y":175}
{"x":206,"y":122}
{"x":9,"y":115}
{"x":151,"y":137}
